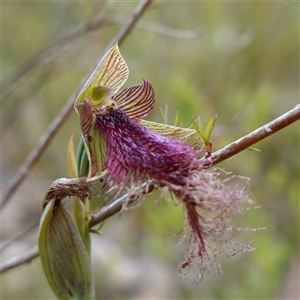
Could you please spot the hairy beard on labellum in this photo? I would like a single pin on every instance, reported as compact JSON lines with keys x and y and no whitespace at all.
{"x":207,"y":201}
{"x":135,"y":149}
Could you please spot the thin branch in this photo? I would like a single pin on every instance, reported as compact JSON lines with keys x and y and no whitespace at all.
{"x":50,"y":53}
{"x":20,"y":236}
{"x":114,"y":207}
{"x":257,"y":135}
{"x":61,"y":44}
{"x":56,"y":124}
{"x":130,"y":23}
{"x":162,"y":29}
{"x":232,"y":149}
{"x":37,"y":151}
{"x":17,"y":260}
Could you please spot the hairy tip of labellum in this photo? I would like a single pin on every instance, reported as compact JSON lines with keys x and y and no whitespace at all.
{"x":209,"y":203}
{"x":208,"y":212}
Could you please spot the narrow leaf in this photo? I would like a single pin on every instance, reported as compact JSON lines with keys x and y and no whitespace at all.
{"x":164,"y":114}
{"x":71,"y":159}
{"x":78,"y":207}
{"x":210,"y":126}
{"x":200,"y":132}
{"x":175,"y":123}
{"x":254,"y":149}
{"x":97,"y":153}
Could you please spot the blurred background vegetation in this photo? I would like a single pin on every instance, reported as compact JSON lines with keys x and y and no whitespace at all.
{"x":239,"y":60}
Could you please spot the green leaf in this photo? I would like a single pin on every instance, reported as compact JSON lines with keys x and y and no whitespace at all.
{"x":78,"y":207}
{"x":71,"y":159}
{"x":97,"y":230}
{"x":210,"y":126}
{"x":205,"y":136}
{"x":175,"y":123}
{"x":198,"y":127}
{"x":97,"y":153}
{"x":254,"y":149}
{"x":164,"y":114}
{"x":82,"y":159}
{"x":65,"y":260}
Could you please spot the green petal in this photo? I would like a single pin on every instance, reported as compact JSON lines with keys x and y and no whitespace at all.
{"x":170,"y":131}
{"x":136,"y":101}
{"x":111,"y":72}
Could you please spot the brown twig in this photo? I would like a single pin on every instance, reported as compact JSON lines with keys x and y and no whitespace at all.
{"x":17,"y":260}
{"x":47,"y":137}
{"x":20,"y":236}
{"x":61,"y":44}
{"x":232,"y":149}
{"x":50,"y":53}
{"x":114,"y":207}
{"x":257,"y":135}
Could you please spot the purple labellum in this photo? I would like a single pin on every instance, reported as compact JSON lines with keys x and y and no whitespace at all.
{"x":135,"y":149}
{"x":135,"y":153}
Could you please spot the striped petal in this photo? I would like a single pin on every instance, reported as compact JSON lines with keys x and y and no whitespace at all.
{"x":136,"y":101}
{"x":111,"y":72}
{"x":174,"y":132}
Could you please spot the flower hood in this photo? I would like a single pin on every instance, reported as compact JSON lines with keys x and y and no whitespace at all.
{"x":101,"y":92}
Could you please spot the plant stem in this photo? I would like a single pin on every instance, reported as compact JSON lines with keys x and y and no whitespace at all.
{"x":257,"y":135}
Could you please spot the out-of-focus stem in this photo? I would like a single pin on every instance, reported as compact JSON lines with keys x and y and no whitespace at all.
{"x":56,"y":124}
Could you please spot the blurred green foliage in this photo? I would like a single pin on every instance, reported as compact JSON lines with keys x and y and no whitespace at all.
{"x":243,"y":65}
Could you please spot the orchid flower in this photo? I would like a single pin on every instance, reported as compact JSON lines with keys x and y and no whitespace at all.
{"x":100,"y":93}
{"x":133,"y":151}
